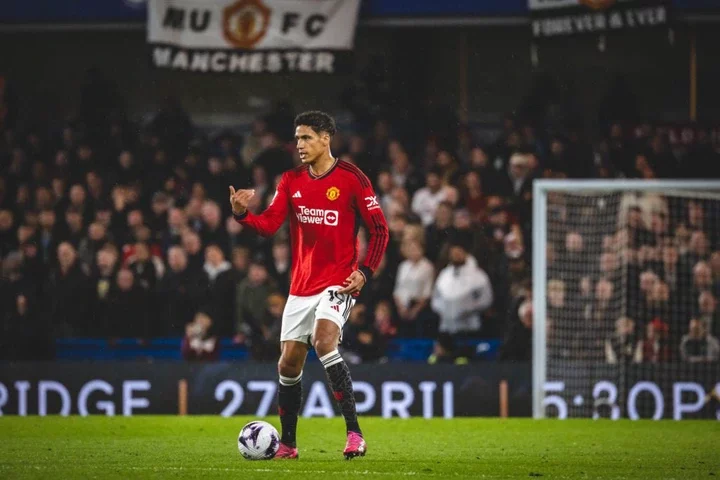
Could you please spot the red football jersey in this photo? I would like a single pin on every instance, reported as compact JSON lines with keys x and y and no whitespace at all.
{"x":324,"y":219}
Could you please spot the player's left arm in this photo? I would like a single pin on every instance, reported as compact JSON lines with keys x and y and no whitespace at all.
{"x":367,"y":205}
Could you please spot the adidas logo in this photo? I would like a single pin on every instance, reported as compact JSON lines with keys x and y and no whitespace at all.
{"x":297,"y":195}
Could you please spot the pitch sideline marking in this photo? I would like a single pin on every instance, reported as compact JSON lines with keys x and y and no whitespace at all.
{"x":228,"y":469}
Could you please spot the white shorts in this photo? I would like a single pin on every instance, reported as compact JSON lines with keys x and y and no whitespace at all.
{"x":300,"y":314}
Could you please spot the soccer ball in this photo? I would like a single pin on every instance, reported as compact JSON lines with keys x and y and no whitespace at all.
{"x":258,"y":441}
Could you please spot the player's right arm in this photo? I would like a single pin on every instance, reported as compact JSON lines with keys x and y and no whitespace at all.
{"x":268,"y":222}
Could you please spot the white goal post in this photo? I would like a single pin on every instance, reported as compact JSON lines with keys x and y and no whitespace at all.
{"x":626,"y":388}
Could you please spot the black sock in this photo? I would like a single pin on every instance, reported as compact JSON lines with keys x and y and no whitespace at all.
{"x":338,"y":375}
{"x":289,"y":400}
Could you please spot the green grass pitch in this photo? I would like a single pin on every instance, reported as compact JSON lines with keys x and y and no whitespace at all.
{"x":206,"y":448}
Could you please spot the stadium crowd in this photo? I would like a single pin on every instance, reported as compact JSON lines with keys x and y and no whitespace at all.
{"x":118,"y":230}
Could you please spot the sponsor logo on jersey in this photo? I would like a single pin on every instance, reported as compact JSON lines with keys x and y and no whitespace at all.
{"x":297,"y":195}
{"x":317,"y":216}
{"x":332,"y":193}
{"x":371,"y":203}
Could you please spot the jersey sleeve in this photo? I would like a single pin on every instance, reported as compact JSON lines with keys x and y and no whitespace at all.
{"x":367,"y":205}
{"x":268,"y":222}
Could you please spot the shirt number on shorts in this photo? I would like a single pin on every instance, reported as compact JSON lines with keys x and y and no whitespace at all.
{"x":336,"y":297}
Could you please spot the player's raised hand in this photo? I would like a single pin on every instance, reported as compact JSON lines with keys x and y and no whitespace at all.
{"x":239,"y":200}
{"x":354,"y":283}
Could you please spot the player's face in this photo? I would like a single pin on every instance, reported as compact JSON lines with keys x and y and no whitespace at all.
{"x":310,"y":145}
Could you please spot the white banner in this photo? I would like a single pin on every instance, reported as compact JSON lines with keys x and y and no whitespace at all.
{"x":251,"y":36}
{"x":556,"y":18}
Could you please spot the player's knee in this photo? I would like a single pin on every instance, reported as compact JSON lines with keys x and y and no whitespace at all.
{"x":323,"y":346}
{"x":289,"y":367}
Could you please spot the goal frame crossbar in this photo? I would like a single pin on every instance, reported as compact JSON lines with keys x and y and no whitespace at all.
{"x":539,"y":261}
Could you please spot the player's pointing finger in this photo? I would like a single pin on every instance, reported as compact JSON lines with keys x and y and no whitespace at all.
{"x":232,"y":191}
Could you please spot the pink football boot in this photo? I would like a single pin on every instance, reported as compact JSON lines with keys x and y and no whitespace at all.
{"x":355,"y":446}
{"x":286,"y":452}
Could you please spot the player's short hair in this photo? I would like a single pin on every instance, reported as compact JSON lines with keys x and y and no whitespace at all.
{"x":318,"y":121}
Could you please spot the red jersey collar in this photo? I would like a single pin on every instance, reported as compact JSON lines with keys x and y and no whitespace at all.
{"x":318,"y":177}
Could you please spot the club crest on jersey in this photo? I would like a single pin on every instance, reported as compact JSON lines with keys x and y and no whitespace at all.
{"x":332,"y":193}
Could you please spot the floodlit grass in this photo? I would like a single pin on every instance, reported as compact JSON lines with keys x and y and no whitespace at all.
{"x":205,"y":447}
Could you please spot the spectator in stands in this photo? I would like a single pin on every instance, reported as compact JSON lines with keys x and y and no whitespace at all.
{"x":413,"y":289}
{"x":654,"y":347}
{"x":216,"y":182}
{"x":517,"y":346}
{"x":33,"y":268}
{"x":280,"y":267}
{"x":383,"y":321}
{"x":557,"y":309}
{"x":402,"y":171}
{"x":8,"y":240}
{"x":671,"y":268}
{"x":385,"y":186}
{"x":158,"y":216}
{"x":193,"y":248}
{"x":473,"y":197}
{"x":141,"y":265}
{"x":240,"y":261}
{"x":193,"y":211}
{"x":518,"y":180}
{"x":637,"y":230}
{"x":177,"y":225}
{"x":135,"y":220}
{"x":181,"y":292}
{"x":702,"y":279}
{"x":74,"y":227}
{"x":399,"y":201}
{"x":47,"y":236}
{"x":447,"y":164}
{"x":589,"y":342}
{"x":251,"y":300}
{"x":462,"y":292}
{"x":439,"y":231}
{"x":238,"y":235}
{"x":698,"y":346}
{"x":426,"y":200}
{"x":698,"y":247}
{"x":362,"y":342}
{"x":79,"y":201}
{"x":695,"y":217}
{"x":221,"y":293}
{"x":708,"y":312}
{"x":199,"y":342}
{"x":164,"y":194}
{"x":622,"y":346}
{"x":213,"y":230}
{"x":69,"y":296}
{"x":264,"y":341}
{"x":715,"y":268}
{"x":572,"y":260}
{"x":128,"y":307}
{"x":380,"y":288}
{"x":498,"y":225}
{"x":657,"y":305}
{"x":102,"y":278}
{"x":90,"y":245}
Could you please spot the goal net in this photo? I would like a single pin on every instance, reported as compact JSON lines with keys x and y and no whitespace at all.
{"x":626,"y":289}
